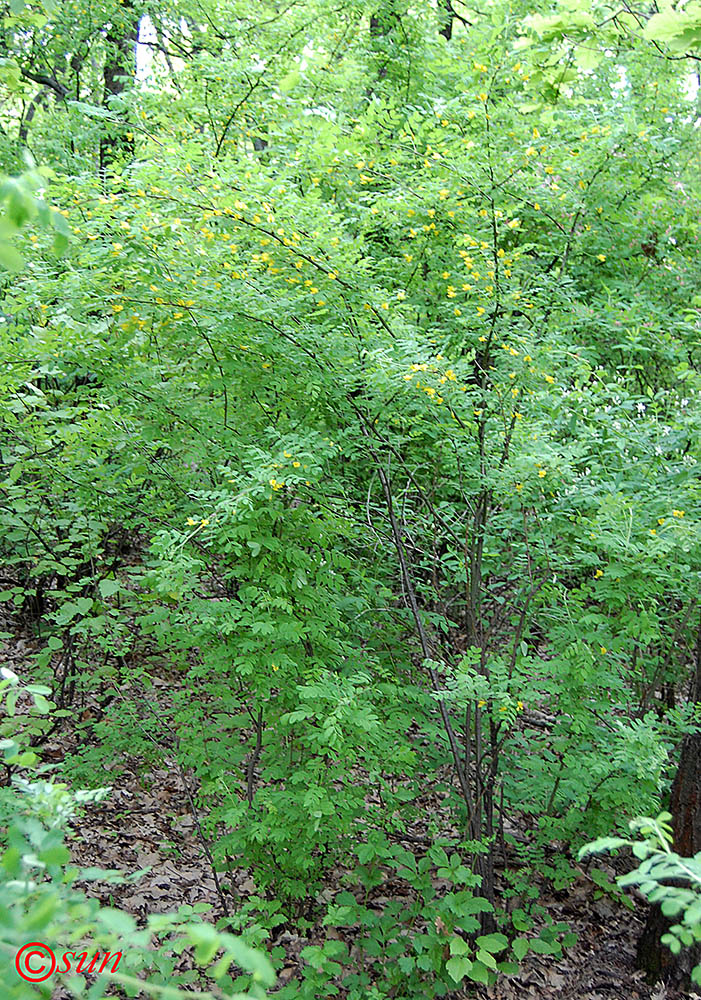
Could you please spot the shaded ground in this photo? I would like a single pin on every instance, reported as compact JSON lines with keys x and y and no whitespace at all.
{"x":137,"y":828}
{"x":147,"y":822}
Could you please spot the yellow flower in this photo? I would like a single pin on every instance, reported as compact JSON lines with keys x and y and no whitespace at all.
{"x":480,"y":311}
{"x":660,"y":520}
{"x":601,"y":256}
{"x":549,"y":378}
{"x":401,"y":296}
{"x":604,"y":650}
{"x":542,"y":473}
{"x":519,"y":705}
{"x":295,"y":465}
{"x":481,"y":703}
{"x":598,"y":573}
{"x":502,"y":708}
{"x":275,"y":667}
{"x":191,"y":521}
{"x":204,"y":522}
{"x":677,"y":513}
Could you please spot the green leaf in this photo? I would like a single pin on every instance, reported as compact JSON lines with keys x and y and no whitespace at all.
{"x":11,"y":260}
{"x":459,"y":946}
{"x":458,"y":967}
{"x":587,"y":56}
{"x":508,"y":968}
{"x":486,"y":959}
{"x":680,"y":29}
{"x":117,"y":921}
{"x":519,"y":946}
{"x":57,"y":855}
{"x":479,"y":973}
{"x":493,"y":943}
{"x":108,"y":588}
{"x":289,"y":81}
{"x":12,"y":861}
{"x":42,"y":705}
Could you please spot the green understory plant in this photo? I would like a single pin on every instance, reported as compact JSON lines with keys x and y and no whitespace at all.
{"x":39,"y":900}
{"x":663,"y":877}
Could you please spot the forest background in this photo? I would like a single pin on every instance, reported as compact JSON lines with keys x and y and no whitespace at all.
{"x":349,"y":469}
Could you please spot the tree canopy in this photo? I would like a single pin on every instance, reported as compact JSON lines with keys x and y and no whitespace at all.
{"x":349,"y":450}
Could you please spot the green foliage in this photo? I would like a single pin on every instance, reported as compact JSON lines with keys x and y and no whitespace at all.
{"x":348,"y":449}
{"x":38,"y":900}
{"x":658,"y":878}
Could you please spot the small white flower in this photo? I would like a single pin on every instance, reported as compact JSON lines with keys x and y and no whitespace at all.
{"x":641,"y":407}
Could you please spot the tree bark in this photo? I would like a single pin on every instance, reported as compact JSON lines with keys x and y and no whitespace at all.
{"x":447,"y":14}
{"x":685,"y":806}
{"x":120,"y":63}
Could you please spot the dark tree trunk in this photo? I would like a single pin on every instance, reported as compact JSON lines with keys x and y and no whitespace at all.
{"x":447,"y":14}
{"x":685,"y":806}
{"x":120,"y":63}
{"x":37,"y":101}
{"x":382,"y":23}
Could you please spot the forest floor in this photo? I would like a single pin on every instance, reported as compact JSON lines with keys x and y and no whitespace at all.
{"x":140,"y":827}
{"x":147,"y":823}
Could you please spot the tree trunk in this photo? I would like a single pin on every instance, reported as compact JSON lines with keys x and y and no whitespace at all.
{"x":447,"y":14}
{"x":120,"y":63}
{"x":685,"y":806}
